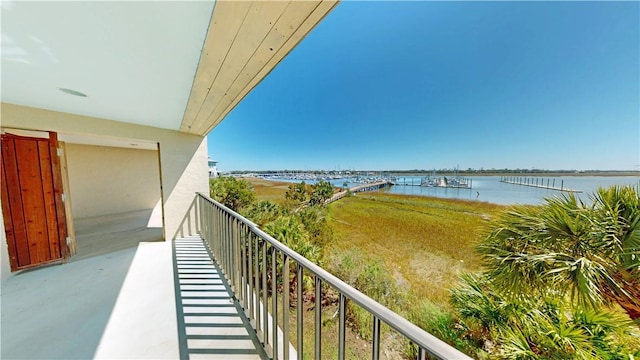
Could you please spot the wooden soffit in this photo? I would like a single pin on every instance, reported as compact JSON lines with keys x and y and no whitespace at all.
{"x":245,"y":41}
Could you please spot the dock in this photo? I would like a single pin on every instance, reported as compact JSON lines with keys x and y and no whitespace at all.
{"x":537,"y":183}
{"x":437,"y":182}
{"x":412,"y":182}
{"x":359,"y":188}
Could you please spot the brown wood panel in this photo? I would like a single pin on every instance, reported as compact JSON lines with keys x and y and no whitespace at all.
{"x":32,"y":200}
{"x":49,"y":198}
{"x":6,"y":210}
{"x":15,"y":201}
{"x":58,"y":190}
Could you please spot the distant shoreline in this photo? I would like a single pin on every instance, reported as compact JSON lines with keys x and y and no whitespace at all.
{"x":628,"y":173}
{"x":531,"y":174}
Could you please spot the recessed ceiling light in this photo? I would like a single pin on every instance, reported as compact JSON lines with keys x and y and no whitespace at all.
{"x":72,"y":92}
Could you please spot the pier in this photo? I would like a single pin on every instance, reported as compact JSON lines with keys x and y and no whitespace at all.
{"x":359,"y":188}
{"x":537,"y":183}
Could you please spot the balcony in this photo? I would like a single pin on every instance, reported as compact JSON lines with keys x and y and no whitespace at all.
{"x":201,"y":296}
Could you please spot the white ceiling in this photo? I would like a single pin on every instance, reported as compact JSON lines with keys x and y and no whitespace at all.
{"x":135,"y":61}
{"x":86,"y":139}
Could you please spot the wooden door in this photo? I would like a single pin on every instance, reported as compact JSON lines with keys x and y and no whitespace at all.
{"x":32,"y":203}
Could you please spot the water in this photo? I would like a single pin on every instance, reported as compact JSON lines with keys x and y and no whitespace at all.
{"x":490,"y":189}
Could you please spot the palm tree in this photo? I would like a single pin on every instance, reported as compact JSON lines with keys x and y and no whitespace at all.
{"x":263,"y":212}
{"x":590,"y":252}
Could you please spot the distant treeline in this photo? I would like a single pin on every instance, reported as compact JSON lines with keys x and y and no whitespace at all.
{"x":446,"y":171}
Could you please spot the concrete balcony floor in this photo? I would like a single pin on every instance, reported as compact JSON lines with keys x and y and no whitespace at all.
{"x":104,"y":234}
{"x":123,"y":305}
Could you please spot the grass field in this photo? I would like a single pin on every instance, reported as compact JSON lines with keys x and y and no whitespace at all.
{"x":268,"y":190}
{"x":426,"y":241}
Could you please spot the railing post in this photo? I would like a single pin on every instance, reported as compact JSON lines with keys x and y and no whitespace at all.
{"x":198,"y":209}
{"x":274,"y":300}
{"x":318,"y":319}
{"x":198,"y":205}
{"x":226,"y":248}
{"x":237,"y":265}
{"x":212,"y":215}
{"x":229,"y":244}
{"x":202,"y":216}
{"x":342,"y":326}
{"x":249,"y":284}
{"x":421,"y":353}
{"x":299,"y":310}
{"x":210,"y":222}
{"x":285,"y":306}
{"x":256,"y":294}
{"x":243,"y":265}
{"x":218,"y":235}
{"x":223,"y":244}
{"x":209,"y":227}
{"x":232,"y":254}
{"x":265,"y":303}
{"x":375,"y":353}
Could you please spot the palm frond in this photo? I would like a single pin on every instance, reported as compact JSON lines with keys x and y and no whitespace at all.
{"x":516,"y":346}
{"x":474,"y":299}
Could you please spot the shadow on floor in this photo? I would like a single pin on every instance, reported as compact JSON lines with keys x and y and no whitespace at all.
{"x":108,"y":233}
{"x":211,"y":324}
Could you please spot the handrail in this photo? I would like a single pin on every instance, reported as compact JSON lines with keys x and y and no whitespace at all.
{"x":424,"y":340}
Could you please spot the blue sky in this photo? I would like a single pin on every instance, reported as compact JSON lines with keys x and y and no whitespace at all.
{"x":422,"y":85}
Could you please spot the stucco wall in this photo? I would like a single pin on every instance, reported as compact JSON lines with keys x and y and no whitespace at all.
{"x":109,"y":180}
{"x":183,"y":157}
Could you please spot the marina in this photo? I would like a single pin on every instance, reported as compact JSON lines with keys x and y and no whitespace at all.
{"x":491,"y":189}
{"x":484,"y":188}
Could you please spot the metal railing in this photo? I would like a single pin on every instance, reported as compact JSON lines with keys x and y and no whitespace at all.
{"x":250,"y":258}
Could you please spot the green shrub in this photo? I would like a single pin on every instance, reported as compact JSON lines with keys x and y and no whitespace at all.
{"x":315,"y":223}
{"x":233,"y":193}
{"x":298,"y":192}
{"x":263,"y":212}
{"x":374,"y":280}
{"x":290,"y":231}
{"x":541,"y":328}
{"x":321,"y":192}
{"x":441,"y":324}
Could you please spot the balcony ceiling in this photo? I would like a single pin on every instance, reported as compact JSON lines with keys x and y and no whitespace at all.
{"x":173,"y":65}
{"x":134,"y":60}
